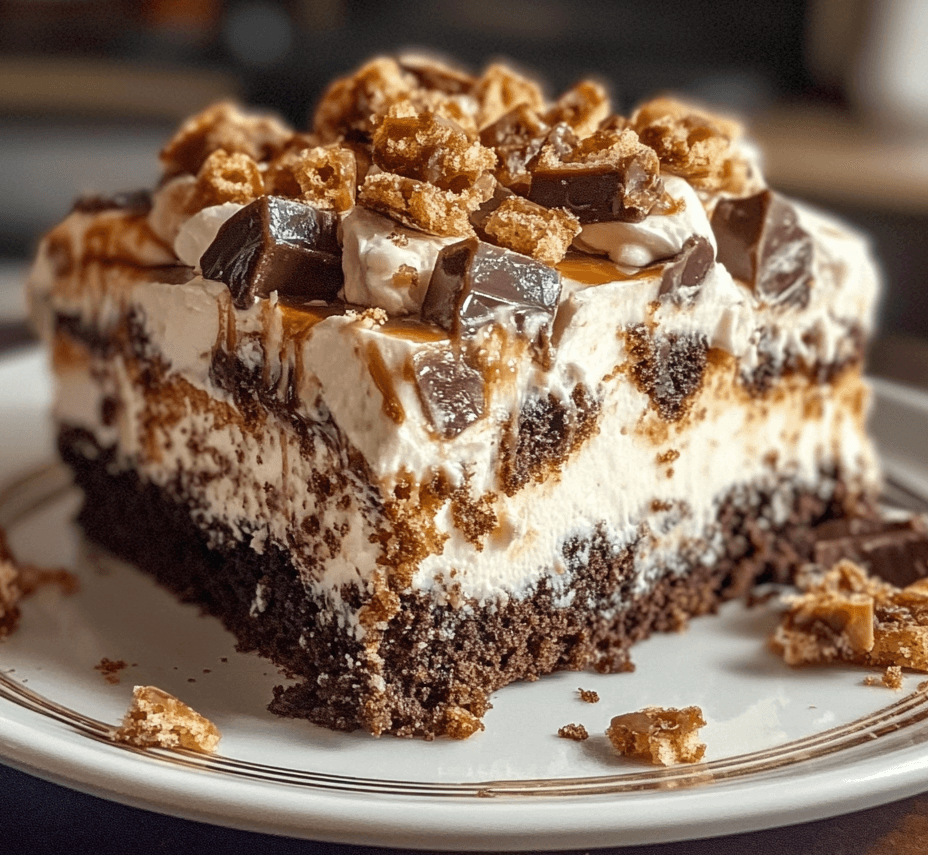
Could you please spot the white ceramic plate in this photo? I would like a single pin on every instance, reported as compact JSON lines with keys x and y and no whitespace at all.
{"x":784,"y":746}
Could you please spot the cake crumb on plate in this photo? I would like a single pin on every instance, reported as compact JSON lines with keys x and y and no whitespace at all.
{"x":577,"y":732}
{"x":663,"y":736}
{"x":159,"y":720}
{"x":589,"y":696}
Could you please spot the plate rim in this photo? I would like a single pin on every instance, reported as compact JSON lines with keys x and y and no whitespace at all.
{"x":504,"y":823}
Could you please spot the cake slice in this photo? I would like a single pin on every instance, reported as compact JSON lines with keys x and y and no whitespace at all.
{"x":459,"y":387}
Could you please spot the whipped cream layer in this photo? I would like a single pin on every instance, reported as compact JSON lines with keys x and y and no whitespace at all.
{"x":345,"y":375}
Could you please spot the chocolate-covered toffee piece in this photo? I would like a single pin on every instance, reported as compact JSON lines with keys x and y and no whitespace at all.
{"x":761,"y":243}
{"x":894,"y":550}
{"x":473,"y":281}
{"x":516,"y":137}
{"x":276,"y":244}
{"x":606,"y":177}
{"x":451,"y":391}
{"x":687,"y":270}
{"x":132,"y":202}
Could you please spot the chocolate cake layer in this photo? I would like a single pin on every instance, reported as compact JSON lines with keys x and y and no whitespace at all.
{"x":431,"y":683}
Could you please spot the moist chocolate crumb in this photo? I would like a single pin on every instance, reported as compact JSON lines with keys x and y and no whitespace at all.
{"x":589,"y":696}
{"x":522,"y":639}
{"x":669,"y":369}
{"x":547,"y":431}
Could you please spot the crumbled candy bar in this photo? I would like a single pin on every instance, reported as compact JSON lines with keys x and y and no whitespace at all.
{"x":576,"y":732}
{"x":844,"y":615}
{"x":501,"y":89}
{"x":322,"y":176}
{"x":351,"y":105}
{"x":159,"y":720}
{"x":10,"y":590}
{"x":433,"y":73}
{"x":684,"y":273}
{"x":133,"y":202}
{"x":583,"y":107}
{"x":225,"y":177}
{"x":761,"y":243}
{"x":523,"y":226}
{"x":658,"y":735}
{"x":516,"y":137}
{"x":894,"y":550}
{"x":223,"y":126}
{"x":451,"y":392}
{"x":607,"y":176}
{"x":429,"y":148}
{"x":473,"y":281}
{"x":423,"y":206}
{"x":276,"y":244}
{"x":693,"y":143}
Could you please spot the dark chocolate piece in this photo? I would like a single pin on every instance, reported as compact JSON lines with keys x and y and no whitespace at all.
{"x":473,"y":280}
{"x":687,"y":270}
{"x":516,"y":137}
{"x":276,"y":244}
{"x":761,"y":243}
{"x":132,"y":202}
{"x":896,"y":551}
{"x":597,"y":191}
{"x":451,"y":391}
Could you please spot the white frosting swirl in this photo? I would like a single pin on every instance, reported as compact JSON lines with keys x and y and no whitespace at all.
{"x":655,"y":238}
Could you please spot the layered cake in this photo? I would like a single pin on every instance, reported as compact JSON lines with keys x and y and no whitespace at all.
{"x":459,"y":386}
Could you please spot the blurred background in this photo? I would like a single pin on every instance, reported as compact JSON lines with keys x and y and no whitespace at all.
{"x":835,"y":91}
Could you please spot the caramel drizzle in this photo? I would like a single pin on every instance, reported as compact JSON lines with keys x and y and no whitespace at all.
{"x":383,"y":380}
{"x":591,"y":270}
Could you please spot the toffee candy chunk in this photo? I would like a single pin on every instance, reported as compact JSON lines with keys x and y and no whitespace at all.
{"x":276,"y":244}
{"x":687,"y":270}
{"x":761,"y":242}
{"x":133,"y":201}
{"x":473,"y":281}
{"x":450,"y":390}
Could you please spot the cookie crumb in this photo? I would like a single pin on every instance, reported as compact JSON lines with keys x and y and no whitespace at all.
{"x":576,"y":732}
{"x":891,"y":678}
{"x":159,"y":720}
{"x":589,"y":696}
{"x":110,"y":669}
{"x":662,"y":736}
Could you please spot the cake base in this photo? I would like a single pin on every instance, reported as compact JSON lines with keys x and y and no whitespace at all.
{"x":439,"y":664}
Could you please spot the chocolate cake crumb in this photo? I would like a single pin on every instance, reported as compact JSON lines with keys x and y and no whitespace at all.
{"x":110,"y":669}
{"x":660,"y":736}
{"x":668,"y":369}
{"x":577,"y":732}
{"x":589,"y":696}
{"x":159,"y":720}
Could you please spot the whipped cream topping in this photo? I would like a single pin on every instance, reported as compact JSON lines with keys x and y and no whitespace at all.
{"x":386,"y":265}
{"x":657,"y":237}
{"x":197,"y":233}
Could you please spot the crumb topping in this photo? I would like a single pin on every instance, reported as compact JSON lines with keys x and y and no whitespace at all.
{"x":157,"y":719}
{"x":576,"y":732}
{"x":663,"y":736}
{"x":588,"y":696}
